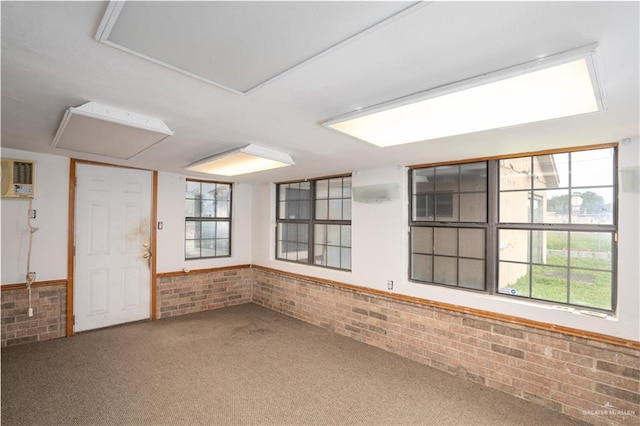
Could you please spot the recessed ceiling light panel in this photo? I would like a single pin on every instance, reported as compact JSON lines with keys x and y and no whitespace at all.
{"x":552,"y":87}
{"x":247,"y":159}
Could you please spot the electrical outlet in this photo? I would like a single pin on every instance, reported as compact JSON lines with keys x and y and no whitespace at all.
{"x":390,"y":285}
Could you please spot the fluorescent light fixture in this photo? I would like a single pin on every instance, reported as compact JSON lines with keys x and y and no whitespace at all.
{"x":239,"y":161}
{"x":556,"y":86}
{"x":98,"y":129}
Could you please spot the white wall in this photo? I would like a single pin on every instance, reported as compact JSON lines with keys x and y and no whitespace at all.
{"x":51,"y":202}
{"x":49,"y":255}
{"x":170,"y":240}
{"x":380,"y":253}
{"x":379,"y":239}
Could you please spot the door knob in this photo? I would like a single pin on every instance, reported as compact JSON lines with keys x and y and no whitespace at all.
{"x":146,"y":255}
{"x":145,"y":244}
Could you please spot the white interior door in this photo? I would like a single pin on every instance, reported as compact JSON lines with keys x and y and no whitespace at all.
{"x":112,"y":277}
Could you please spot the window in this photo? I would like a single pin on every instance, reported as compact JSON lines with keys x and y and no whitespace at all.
{"x":539,"y":227}
{"x":314,"y":222}
{"x":556,"y":230}
{"x":207,"y":219}
{"x":449,"y":225}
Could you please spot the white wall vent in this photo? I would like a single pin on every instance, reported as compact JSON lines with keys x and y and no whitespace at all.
{"x":18,"y":178}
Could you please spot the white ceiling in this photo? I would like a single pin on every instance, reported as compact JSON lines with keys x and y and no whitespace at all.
{"x":51,"y":61}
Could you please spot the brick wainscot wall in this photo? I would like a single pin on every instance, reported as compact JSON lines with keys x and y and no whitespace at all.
{"x":184,"y":293}
{"x":49,"y":302}
{"x":595,"y":378}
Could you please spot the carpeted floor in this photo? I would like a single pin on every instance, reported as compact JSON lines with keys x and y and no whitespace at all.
{"x":243,"y":365}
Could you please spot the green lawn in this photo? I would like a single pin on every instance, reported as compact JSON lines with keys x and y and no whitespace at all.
{"x":587,"y":287}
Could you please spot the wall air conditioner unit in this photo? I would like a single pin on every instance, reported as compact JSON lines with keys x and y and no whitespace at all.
{"x":18,"y":178}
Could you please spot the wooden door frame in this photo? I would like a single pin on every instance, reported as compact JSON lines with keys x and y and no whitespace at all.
{"x":72,"y":230}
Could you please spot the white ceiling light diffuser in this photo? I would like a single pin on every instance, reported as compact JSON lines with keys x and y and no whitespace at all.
{"x":98,"y":129}
{"x":556,"y":86}
{"x":239,"y":161}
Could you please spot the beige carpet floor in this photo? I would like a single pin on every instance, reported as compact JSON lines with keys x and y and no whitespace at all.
{"x":242,"y":365}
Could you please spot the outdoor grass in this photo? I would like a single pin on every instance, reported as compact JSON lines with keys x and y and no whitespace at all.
{"x":588,"y":287}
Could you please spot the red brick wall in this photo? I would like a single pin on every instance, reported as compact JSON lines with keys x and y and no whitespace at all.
{"x":594,"y":381}
{"x":179,"y":294}
{"x":49,"y":318}
{"x":590,"y":379}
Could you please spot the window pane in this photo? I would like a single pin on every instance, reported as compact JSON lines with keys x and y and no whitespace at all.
{"x":222,"y":209}
{"x":292,"y":209}
{"x":513,"y":278}
{"x":446,"y":241}
{"x":473,"y":207}
{"x":558,"y":204}
{"x":320,"y":234}
{"x":549,"y":283}
{"x":302,"y":253}
{"x":322,"y":209}
{"x":223,"y":192}
{"x":305,"y":190}
{"x":192,"y":208}
{"x":222,"y":230}
{"x":302,"y":233}
{"x":222,"y":247}
{"x":346,"y":187}
{"x":421,"y":240}
{"x":551,"y":171}
{"x":322,"y":189}
{"x":345,"y":235}
{"x":471,"y":274}
{"x":282,"y":210}
{"x":513,"y":245}
{"x":335,"y":209}
{"x":584,"y":163}
{"x":445,"y":205}
{"x":423,"y":180}
{"x":333,"y":256}
{"x":446,"y":178}
{"x":422,"y":207}
{"x":591,"y":250}
{"x":293,"y":192}
{"x":287,"y":237}
{"x":208,"y":230}
{"x":192,"y":249}
{"x":591,"y":288}
{"x":471,"y":243}
{"x":208,"y":191}
{"x":473,"y":177}
{"x":208,"y":208}
{"x":345,"y":258}
{"x":208,"y":248}
{"x":421,"y":267}
{"x":193,"y":190}
{"x":192,"y":230}
{"x":304,"y":209}
{"x":515,"y":173}
{"x":320,"y":254}
{"x":550,"y":247}
{"x":346,"y":209}
{"x":592,"y":205}
{"x":515,"y":207}
{"x":333,"y":235}
{"x":335,"y":188}
{"x":445,"y":270}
